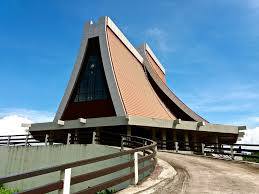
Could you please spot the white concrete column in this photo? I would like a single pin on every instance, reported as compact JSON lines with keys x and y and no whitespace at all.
{"x":26,"y":139}
{"x":176,"y":146}
{"x":195,"y":142}
{"x":164,"y":138}
{"x":154,"y":134}
{"x":94,"y":135}
{"x":122,"y":143}
{"x":217,"y":143}
{"x":136,"y":167}
{"x":232,"y":152}
{"x":98,"y":134}
{"x":51,"y":138}
{"x":129,"y":130}
{"x":186,"y":141}
{"x":203,"y":148}
{"x":216,"y":139}
{"x":174,"y":135}
{"x":76,"y":137}
{"x":46,"y":139}
{"x":68,"y":138}
{"x":8,"y":141}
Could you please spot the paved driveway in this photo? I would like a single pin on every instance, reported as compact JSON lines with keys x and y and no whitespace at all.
{"x":204,"y":175}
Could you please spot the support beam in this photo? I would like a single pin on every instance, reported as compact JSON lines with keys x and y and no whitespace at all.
{"x":174,"y":135}
{"x":82,"y":120}
{"x":46,"y":139}
{"x":195,"y":148}
{"x":164,"y":138}
{"x":129,"y":130}
{"x":135,"y":120}
{"x":68,"y":138}
{"x":76,"y":141}
{"x":217,"y":143}
{"x":94,"y":136}
{"x":97,"y":130}
{"x":177,"y":121}
{"x":8,"y":141}
{"x":50,"y":139}
{"x":203,"y":149}
{"x":154,"y":134}
{"x":232,"y":152}
{"x":122,"y":143}
{"x":26,"y":139}
{"x":176,"y":146}
{"x":61,"y":123}
{"x":186,"y":141}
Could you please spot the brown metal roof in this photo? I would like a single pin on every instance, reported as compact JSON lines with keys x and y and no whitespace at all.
{"x":156,"y":68}
{"x":136,"y":92}
{"x":176,"y":103}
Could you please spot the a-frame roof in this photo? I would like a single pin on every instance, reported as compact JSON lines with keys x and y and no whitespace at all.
{"x":125,"y":67}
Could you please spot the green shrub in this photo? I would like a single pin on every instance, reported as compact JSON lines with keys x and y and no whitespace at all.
{"x":250,"y":159}
{"x":107,"y":191}
{"x":4,"y":190}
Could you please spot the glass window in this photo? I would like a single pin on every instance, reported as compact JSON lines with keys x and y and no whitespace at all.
{"x":91,"y":84}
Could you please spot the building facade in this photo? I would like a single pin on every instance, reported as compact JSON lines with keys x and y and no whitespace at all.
{"x":117,"y":88}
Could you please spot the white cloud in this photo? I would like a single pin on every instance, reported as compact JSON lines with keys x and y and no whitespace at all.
{"x":11,"y":119}
{"x":251,"y":136}
{"x":253,"y":4}
{"x":224,"y":98}
{"x":161,"y":39}
{"x":250,"y":121}
{"x":11,"y":125}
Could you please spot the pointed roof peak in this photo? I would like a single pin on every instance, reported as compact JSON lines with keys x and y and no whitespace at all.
{"x":147,"y":48}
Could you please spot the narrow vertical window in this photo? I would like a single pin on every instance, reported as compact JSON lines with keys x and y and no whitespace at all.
{"x":91,"y":84}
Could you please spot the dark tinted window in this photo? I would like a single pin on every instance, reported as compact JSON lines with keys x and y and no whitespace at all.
{"x":91,"y":84}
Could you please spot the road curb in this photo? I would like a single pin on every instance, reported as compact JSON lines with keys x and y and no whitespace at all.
{"x":162,"y":173}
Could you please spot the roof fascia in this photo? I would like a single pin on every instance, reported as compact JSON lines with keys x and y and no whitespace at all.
{"x":142,"y":50}
{"x":136,"y":121}
{"x":87,"y":33}
{"x":151,"y":53}
{"x":124,"y":40}
{"x":94,"y":30}
{"x":108,"y":67}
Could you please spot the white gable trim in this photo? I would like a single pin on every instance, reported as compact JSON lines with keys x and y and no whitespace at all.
{"x":108,"y":68}
{"x":94,"y":30}
{"x":123,"y":38}
{"x":75,"y":72}
{"x":148,"y":49}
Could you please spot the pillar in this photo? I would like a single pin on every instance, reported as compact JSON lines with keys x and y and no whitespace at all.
{"x":154,"y":134}
{"x":128,"y":130}
{"x":217,"y":143}
{"x":195,"y":148}
{"x":174,"y":136}
{"x":94,"y":137}
{"x":163,"y":138}
{"x":76,"y":137}
{"x":97,"y":130}
{"x":186,"y":141}
{"x":51,"y":140}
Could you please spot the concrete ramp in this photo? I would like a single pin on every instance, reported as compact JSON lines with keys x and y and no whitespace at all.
{"x":197,"y":174}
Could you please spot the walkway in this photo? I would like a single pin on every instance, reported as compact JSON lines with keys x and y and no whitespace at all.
{"x":204,"y":175}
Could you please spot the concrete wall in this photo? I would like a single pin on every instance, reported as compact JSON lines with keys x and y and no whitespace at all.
{"x":22,"y":159}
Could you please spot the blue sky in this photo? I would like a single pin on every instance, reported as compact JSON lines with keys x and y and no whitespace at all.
{"x":210,"y":50}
